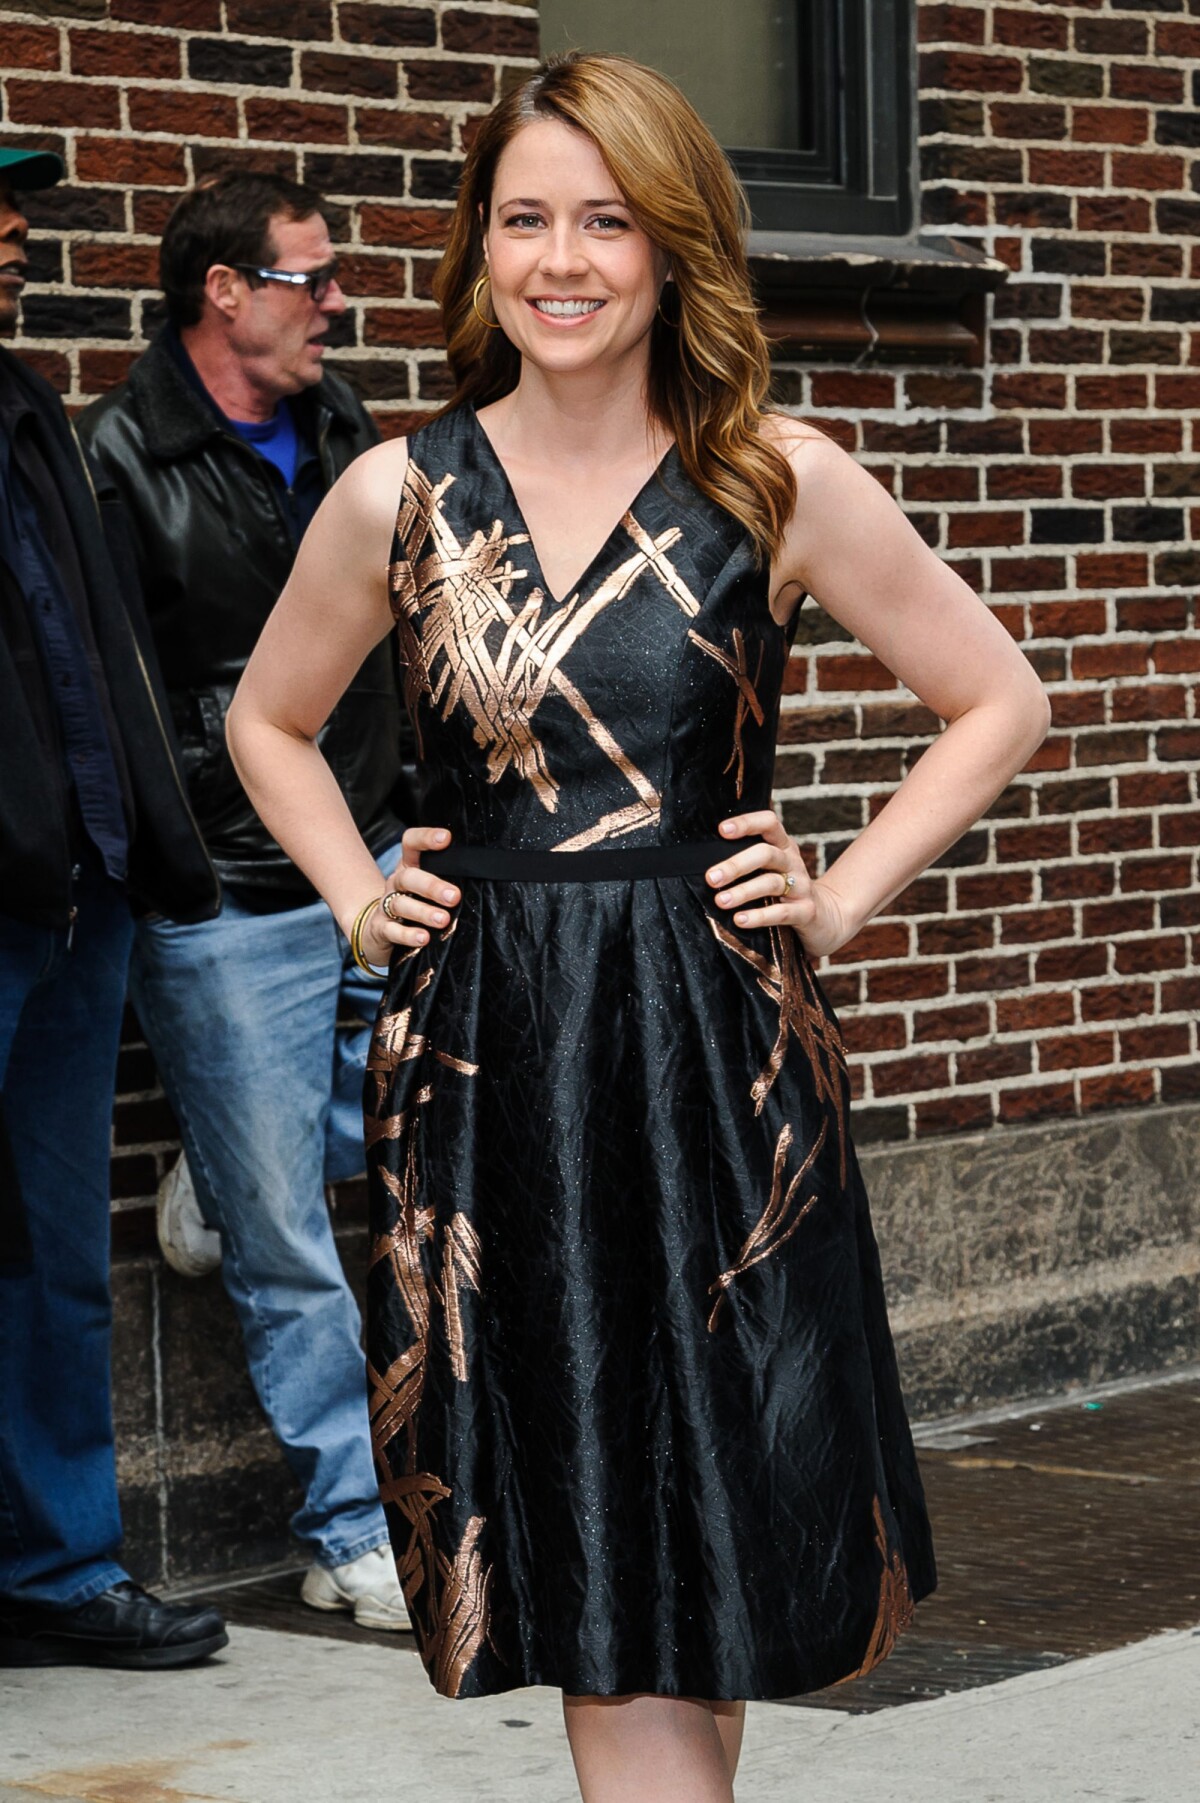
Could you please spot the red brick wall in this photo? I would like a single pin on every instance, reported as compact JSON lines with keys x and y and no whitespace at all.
{"x":1048,"y":965}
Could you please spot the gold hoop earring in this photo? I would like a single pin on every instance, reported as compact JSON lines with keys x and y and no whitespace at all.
{"x":493,"y":325}
{"x":673,"y":323}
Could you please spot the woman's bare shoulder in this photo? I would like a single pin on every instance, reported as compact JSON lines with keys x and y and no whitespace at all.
{"x":368,"y":492}
{"x":791,"y":435}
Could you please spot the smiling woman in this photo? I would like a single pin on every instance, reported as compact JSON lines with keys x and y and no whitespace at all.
{"x":637,"y":1417}
{"x":658,"y":214}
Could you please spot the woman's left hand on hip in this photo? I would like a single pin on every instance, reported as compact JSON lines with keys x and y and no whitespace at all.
{"x":767,"y":885}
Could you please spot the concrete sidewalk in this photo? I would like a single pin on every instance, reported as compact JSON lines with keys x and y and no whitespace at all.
{"x":281,"y":1718}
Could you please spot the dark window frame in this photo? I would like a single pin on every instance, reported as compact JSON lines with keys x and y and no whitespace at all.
{"x":855,"y":173}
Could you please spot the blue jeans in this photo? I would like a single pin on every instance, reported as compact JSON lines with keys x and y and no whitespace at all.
{"x":60,"y":1025}
{"x":242,"y":1016}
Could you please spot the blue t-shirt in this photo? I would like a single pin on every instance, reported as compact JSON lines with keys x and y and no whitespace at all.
{"x":275,"y":439}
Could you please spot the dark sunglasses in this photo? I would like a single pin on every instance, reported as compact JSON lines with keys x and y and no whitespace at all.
{"x":317,"y":281}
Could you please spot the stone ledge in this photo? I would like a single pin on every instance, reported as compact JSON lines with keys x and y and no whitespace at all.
{"x":888,"y":298}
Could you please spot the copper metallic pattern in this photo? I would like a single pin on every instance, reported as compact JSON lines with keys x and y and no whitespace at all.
{"x":895,"y":1602}
{"x":786,"y":977}
{"x":467,"y":641}
{"x":448,"y":1598}
{"x":461,"y":1254}
{"x":779,"y":1220}
{"x":462,"y":1617}
{"x":747,"y":700}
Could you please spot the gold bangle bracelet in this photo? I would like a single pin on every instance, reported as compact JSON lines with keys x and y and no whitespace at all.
{"x":356,"y":933}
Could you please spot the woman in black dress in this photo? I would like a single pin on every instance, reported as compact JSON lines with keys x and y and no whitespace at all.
{"x":637,"y":1417}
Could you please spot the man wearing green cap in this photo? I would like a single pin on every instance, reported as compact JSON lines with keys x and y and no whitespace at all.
{"x":93,"y":824}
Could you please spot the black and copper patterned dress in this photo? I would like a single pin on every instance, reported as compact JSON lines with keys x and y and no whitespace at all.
{"x":635,"y":1404}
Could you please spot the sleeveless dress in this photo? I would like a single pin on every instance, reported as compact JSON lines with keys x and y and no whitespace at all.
{"x":634,"y":1398}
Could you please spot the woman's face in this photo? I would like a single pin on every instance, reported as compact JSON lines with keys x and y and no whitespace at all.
{"x":574,"y":280}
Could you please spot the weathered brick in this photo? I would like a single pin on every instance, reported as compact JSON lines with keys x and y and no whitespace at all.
{"x":1148,"y":171}
{"x":1073,"y":1051}
{"x":214,"y":159}
{"x":903,"y":1076}
{"x":1177,"y":37}
{"x":955,"y":114}
{"x":125,"y":265}
{"x":967,"y":1021}
{"x":30,"y":46}
{"x":87,"y":104}
{"x":252,"y":65}
{"x":986,"y":1064}
{"x":169,"y":110}
{"x":1032,"y":30}
{"x":404,"y":131}
{"x":148,"y":55}
{"x":1020,"y":574}
{"x":1043,"y":1101}
{"x":1066,"y":168}
{"x":489,"y":34}
{"x":450,"y":82}
{"x":130,"y":160}
{"x":100,"y":370}
{"x":949,"y":24}
{"x":1149,"y":701}
{"x":296,"y":121}
{"x":1177,"y":128}
{"x":1072,"y":80}
{"x":1033,"y":209}
{"x":1032,"y":1013}
{"x":388,"y":27}
{"x":1146,"y":81}
{"x":971,"y":163}
{"x":906,"y":982}
{"x":1117,"y":1089}
{"x":1115,"y":213}
{"x":1112,"y":37}
{"x":186,"y":15}
{"x":308,"y":19}
{"x":333,"y":72}
{"x":953,"y":1114}
{"x":1007,"y":971}
{"x":402,"y":325}
{"x":75,"y":316}
{"x":1110,"y":125}
{"x":977,"y":73}
{"x":1024,"y":481}
{"x":1067,"y":526}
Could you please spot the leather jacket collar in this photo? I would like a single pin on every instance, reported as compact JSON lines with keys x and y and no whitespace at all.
{"x":177,"y":417}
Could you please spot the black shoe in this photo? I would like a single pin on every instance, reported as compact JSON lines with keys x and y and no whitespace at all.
{"x":123,"y":1626}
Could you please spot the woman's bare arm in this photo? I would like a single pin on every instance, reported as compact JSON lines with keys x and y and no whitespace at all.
{"x":332,"y":613}
{"x":850,"y":546}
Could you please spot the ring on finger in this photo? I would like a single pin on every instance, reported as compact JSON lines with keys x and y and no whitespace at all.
{"x":789,"y":882}
{"x":387,"y":903}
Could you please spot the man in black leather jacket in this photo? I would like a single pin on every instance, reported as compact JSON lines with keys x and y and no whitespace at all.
{"x":93,"y":817}
{"x":222,"y":443}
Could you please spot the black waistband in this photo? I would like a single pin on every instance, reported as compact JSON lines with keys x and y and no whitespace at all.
{"x":496,"y":863}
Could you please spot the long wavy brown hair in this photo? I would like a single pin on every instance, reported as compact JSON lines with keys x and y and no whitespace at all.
{"x":709,"y":364}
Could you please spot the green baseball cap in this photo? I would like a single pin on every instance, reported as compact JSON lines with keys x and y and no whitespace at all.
{"x":29,"y":168}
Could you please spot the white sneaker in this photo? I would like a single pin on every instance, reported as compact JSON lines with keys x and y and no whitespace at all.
{"x":367,"y":1585}
{"x":188,"y":1244}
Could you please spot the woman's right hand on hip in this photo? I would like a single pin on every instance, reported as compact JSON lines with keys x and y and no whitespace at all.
{"x":422,"y":900}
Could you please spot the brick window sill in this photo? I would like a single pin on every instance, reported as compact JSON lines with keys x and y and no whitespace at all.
{"x":874,"y":299}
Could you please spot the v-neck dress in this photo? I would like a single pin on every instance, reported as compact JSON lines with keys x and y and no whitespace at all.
{"x":634,"y":1399}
